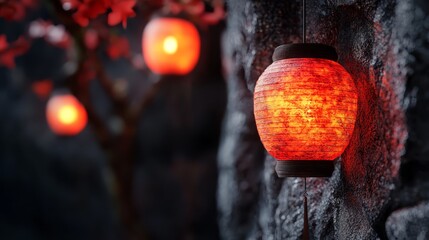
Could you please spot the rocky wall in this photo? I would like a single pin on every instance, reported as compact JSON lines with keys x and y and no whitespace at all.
{"x":379,"y":188}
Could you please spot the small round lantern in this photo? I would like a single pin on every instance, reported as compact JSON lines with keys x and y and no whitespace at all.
{"x":171,"y":46}
{"x":305,"y":107}
{"x":66,"y":115}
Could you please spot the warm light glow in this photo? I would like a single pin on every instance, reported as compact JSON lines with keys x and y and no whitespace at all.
{"x":170,"y":45}
{"x":65,"y":115}
{"x":305,"y":109}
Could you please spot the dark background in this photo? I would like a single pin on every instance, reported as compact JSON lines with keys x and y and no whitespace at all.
{"x":55,"y":187}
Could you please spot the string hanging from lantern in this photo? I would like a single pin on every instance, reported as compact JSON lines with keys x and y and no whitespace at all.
{"x":303,"y":21}
{"x":305,"y":233}
{"x":305,"y":107}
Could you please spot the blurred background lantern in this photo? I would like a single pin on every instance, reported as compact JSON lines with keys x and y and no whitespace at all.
{"x":65,"y":115}
{"x":305,"y":109}
{"x":171,"y":46}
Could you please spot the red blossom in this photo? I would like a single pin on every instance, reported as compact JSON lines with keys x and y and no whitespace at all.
{"x":215,"y":16}
{"x":196,"y":9}
{"x":29,"y":3}
{"x":121,"y":10}
{"x":8,"y":52}
{"x":96,"y":7}
{"x":90,"y":9}
{"x":81,"y":16}
{"x":42,"y":88}
{"x":87,"y":9}
{"x":118,"y":47}
{"x":91,"y":39}
{"x":14,"y":10}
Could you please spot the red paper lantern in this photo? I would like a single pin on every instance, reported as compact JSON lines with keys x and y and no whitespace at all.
{"x":305,"y":107}
{"x":66,"y":115}
{"x":171,"y":46}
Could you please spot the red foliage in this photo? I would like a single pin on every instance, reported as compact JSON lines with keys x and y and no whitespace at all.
{"x":215,"y":16}
{"x":42,"y":88}
{"x":14,"y":10}
{"x":86,"y":9}
{"x":118,"y":47}
{"x":8,"y":52}
{"x":91,"y":39}
{"x":29,"y":3}
{"x":196,"y":8}
{"x":90,"y":9}
{"x":121,"y":10}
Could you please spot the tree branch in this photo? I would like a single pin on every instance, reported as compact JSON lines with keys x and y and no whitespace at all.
{"x":138,"y":108}
{"x":81,"y":90}
{"x":119,"y":102}
{"x":121,"y":147}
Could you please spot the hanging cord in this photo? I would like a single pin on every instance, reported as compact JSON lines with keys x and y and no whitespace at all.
{"x":304,"y":13}
{"x":305,"y":231}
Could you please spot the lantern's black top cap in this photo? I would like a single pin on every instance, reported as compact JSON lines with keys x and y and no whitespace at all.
{"x":305,"y":50}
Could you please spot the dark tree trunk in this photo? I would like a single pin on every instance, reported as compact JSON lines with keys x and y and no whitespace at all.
{"x":122,"y":162}
{"x":383,"y":45}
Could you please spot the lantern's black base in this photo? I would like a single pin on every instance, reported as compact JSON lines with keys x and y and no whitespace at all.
{"x":304,"y":168}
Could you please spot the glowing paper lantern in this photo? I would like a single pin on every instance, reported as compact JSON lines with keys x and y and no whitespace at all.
{"x":305,"y":107}
{"x":171,"y":46}
{"x":66,"y":115}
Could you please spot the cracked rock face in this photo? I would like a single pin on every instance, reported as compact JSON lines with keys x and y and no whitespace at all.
{"x":383,"y":174}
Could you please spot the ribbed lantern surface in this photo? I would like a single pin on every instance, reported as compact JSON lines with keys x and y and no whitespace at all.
{"x":66,"y":115}
{"x":171,"y":46}
{"x":305,"y":109}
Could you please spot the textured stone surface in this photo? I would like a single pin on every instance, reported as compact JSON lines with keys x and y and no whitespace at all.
{"x":241,"y":153}
{"x":383,"y":44}
{"x":409,"y":222}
